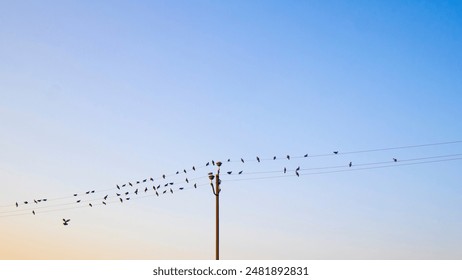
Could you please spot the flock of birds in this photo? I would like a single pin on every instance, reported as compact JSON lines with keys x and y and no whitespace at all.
{"x":124,"y":191}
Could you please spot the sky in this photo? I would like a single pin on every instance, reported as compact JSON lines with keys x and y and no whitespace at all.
{"x":99,"y":93}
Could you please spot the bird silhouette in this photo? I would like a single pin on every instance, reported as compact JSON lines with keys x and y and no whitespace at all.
{"x":78,"y":201}
{"x":144,"y":181}
{"x":187,"y":181}
{"x":17,"y":205}
{"x":66,"y":222}
{"x":35,"y":201}
{"x":151,"y":179}
{"x":229,"y":160}
{"x":274,"y":158}
{"x":242,"y":160}
{"x":395,"y":160}
{"x":25,"y":202}
{"x":178,"y":172}
{"x":171,"y":183}
{"x":105,"y":197}
{"x":118,"y":187}
{"x":195,"y":185}
{"x":127,"y":198}
{"x":166,"y":185}
{"x":171,"y":190}
{"x":306,"y":155}
{"x":75,"y":194}
{"x":240,"y":172}
{"x":44,"y":199}
{"x":104,"y":203}
{"x":181,"y":188}
{"x":229,"y":172}
{"x":123,"y":186}
{"x":131,"y":185}
{"x":33,"y":212}
{"x":213,"y":162}
{"x":126,"y":193}
{"x":121,"y":200}
{"x":146,"y":189}
{"x":258,"y":159}
{"x":193,"y":168}
{"x":157,"y":193}
{"x":350,"y":164}
{"x":90,"y":204}
{"x":136,"y":191}
{"x":87,"y":192}
{"x":285,"y":170}
{"x":184,"y":170}
{"x":335,"y":152}
{"x":164,"y":191}
{"x":137,"y":182}
{"x":207,"y":164}
{"x":118,"y":194}
{"x":92,"y":191}
{"x":298,"y":168}
{"x":296,"y":172}
{"x":163,"y":176}
{"x":288,"y":157}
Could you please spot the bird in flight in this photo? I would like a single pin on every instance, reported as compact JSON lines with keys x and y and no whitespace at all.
{"x":207,"y":164}
{"x":240,"y":172}
{"x":157,"y":193}
{"x":306,"y":155}
{"x":131,"y":185}
{"x":171,"y":190}
{"x":90,"y":204}
{"x":66,"y":222}
{"x":105,"y":197}
{"x":298,"y":168}
{"x":104,"y":203}
{"x":75,"y":194}
{"x":146,"y":189}
{"x":285,"y":170}
{"x":136,"y":191}
{"x":163,"y":176}
{"x":17,"y":205}
{"x":242,"y":160}
{"x":87,"y":192}
{"x":137,"y":182}
{"x":229,"y":172}
{"x":193,"y":168}
{"x":274,"y":158}
{"x":78,"y":201}
{"x":335,"y":152}
{"x":195,"y":185}
{"x":118,"y":187}
{"x":184,"y":170}
{"x":213,"y":162}
{"x":350,"y":164}
{"x":296,"y":172}
{"x":187,"y":181}
{"x":121,"y":200}
{"x":288,"y":157}
{"x":144,"y":181}
{"x":181,"y":188}
{"x":33,"y":212}
{"x":258,"y":159}
{"x":395,"y":160}
{"x":151,"y":179}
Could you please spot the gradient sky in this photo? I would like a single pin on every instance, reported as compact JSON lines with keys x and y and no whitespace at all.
{"x":98,"y":93}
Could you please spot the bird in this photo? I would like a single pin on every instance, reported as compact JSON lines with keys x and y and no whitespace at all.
{"x":193,"y":168}
{"x":118,"y":194}
{"x":146,"y":189}
{"x":121,"y":200}
{"x":298,"y":168}
{"x":296,"y":172}
{"x":335,"y":152}
{"x":123,"y":186}
{"x":242,"y":160}
{"x":118,"y":187}
{"x":229,"y":160}
{"x":92,"y":191}
{"x":258,"y":159}
{"x":187,"y":181}
{"x":207,"y":164}
{"x":240,"y":172}
{"x":274,"y":158}
{"x":126,"y":193}
{"x":25,"y":202}
{"x":171,"y":190}
{"x":87,"y":192}
{"x":306,"y":155}
{"x":163,"y":176}
{"x":78,"y":201}
{"x":151,"y":179}
{"x":75,"y":194}
{"x":213,"y":162}
{"x":288,"y":157}
{"x":184,"y":170}
{"x":157,"y":193}
{"x":43,"y":199}
{"x":178,"y":172}
{"x":33,"y":212}
{"x":127,"y":198}
{"x":285,"y":170}
{"x":181,"y":188}
{"x":166,"y":185}
{"x":90,"y":204}
{"x":195,"y":185}
{"x":66,"y":222}
{"x":395,"y":160}
{"x":350,"y":164}
{"x":104,"y":203}
{"x":171,"y":183}
{"x":165,"y":191}
{"x":17,"y":205}
{"x":131,"y":185}
{"x":137,"y":182}
{"x":39,"y":200}
{"x":35,"y":201}
{"x":136,"y":191}
{"x":144,"y":181}
{"x":229,"y":172}
{"x":105,"y":197}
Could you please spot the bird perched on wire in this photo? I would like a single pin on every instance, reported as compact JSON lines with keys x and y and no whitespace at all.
{"x":66,"y":222}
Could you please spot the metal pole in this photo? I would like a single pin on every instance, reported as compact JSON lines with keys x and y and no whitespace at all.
{"x":217,"y":219}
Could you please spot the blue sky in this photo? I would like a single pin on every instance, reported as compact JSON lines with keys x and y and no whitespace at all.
{"x":94,"y":94}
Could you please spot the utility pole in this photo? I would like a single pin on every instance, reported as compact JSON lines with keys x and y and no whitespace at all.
{"x":216,"y":192}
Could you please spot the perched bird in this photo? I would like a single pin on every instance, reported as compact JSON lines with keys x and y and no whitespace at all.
{"x":104,"y":203}
{"x":274,"y":158}
{"x":136,"y":191}
{"x":335,"y":152}
{"x":78,"y":201}
{"x":146,"y":189}
{"x":395,"y":160}
{"x":17,"y":205}
{"x":240,"y":172}
{"x":229,"y":172}
{"x":163,"y":176}
{"x":350,"y":164}
{"x":90,"y":204}
{"x":118,"y":187}
{"x":33,"y":212}
{"x":258,"y":159}
{"x":121,"y":200}
{"x":187,"y":181}
{"x":288,"y":157}
{"x":66,"y":222}
{"x":285,"y":170}
{"x":242,"y":160}
{"x":306,"y":155}
{"x":105,"y":197}
{"x":171,"y":190}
